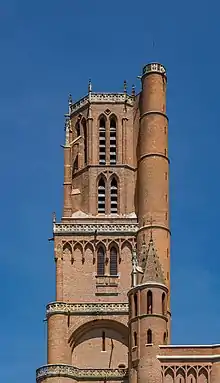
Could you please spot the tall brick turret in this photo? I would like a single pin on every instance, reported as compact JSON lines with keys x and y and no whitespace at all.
{"x":153,"y":166}
{"x":148,"y":317}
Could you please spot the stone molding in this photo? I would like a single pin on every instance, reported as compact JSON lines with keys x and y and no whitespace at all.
{"x":154,"y":68}
{"x":65,"y":370}
{"x":102,"y":98}
{"x":99,"y":228}
{"x":86,"y":308}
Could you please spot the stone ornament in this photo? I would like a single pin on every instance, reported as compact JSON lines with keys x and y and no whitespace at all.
{"x":118,"y":98}
{"x":83,"y":228}
{"x":90,"y":308}
{"x":65,"y":370}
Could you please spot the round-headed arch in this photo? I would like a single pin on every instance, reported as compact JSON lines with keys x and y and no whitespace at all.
{"x":79,"y":334}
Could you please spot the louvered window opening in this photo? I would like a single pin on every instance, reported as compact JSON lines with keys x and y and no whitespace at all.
{"x":101,"y":196}
{"x":112,"y":142}
{"x":114,"y":196}
{"x":102,"y":142}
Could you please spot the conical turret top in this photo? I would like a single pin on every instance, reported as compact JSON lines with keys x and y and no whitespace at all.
{"x":152,"y":269}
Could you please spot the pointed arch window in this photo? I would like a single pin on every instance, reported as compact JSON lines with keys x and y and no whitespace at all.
{"x":101,"y":261}
{"x":102,"y":141}
{"x":113,"y":261}
{"x":114,"y":196}
{"x":101,"y":196}
{"x":113,"y":146}
{"x":84,"y":126}
{"x":149,"y":336}
{"x":149,"y":302}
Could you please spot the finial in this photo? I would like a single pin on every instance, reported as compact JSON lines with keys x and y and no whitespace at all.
{"x":133,"y":90}
{"x":151,"y":231}
{"x":70,"y":100}
{"x":90,"y":86}
{"x":67,"y":130}
{"x":54,"y":217}
{"x":125,"y":86}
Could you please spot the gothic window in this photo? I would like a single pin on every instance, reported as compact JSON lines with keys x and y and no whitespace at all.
{"x":77,"y":127}
{"x":102,"y":141}
{"x":135,"y":338}
{"x":149,"y":336}
{"x":101,"y":196}
{"x":113,"y":261}
{"x":163,"y":304}
{"x":85,"y":140}
{"x":112,"y":141}
{"x":149,"y":302}
{"x":101,"y":261}
{"x":114,"y":196}
{"x":135,"y":305}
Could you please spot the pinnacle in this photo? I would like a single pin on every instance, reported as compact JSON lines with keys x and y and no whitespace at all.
{"x":152,"y":267}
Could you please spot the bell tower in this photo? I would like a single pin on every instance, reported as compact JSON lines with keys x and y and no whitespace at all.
{"x":114,"y":225}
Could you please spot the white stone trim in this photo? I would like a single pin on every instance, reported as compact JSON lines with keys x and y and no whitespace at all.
{"x":188,"y":357}
{"x":91,"y":228}
{"x":102,"y":98}
{"x":86,"y":308}
{"x":189,"y":345}
{"x":65,"y":370}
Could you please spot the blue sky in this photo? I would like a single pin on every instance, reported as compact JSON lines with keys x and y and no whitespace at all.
{"x":50,"y":48}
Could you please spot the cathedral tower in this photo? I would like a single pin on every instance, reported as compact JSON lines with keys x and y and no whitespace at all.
{"x":110,"y":320}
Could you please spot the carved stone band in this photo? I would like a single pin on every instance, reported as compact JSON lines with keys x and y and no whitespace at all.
{"x":97,"y":98}
{"x":154,"y":68}
{"x":83,"y":228}
{"x":86,"y":308}
{"x":64,"y":370}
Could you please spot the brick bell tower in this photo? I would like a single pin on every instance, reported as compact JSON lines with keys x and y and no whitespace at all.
{"x":112,"y":244}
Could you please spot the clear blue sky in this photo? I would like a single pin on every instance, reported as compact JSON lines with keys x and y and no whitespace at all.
{"x":50,"y":48}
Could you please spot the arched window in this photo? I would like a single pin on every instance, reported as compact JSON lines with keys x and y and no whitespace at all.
{"x":135,"y":338}
{"x":113,"y":261}
{"x":114,"y":196}
{"x":149,"y":336}
{"x":113,"y":148}
{"x":149,"y":302}
{"x":101,"y":196}
{"x":101,"y":261}
{"x":135,"y":305}
{"x":85,"y":140}
{"x":163,"y":304}
{"x":102,"y":141}
{"x":77,"y":127}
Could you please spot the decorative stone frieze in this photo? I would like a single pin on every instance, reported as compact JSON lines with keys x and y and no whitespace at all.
{"x":99,"y":228}
{"x":102,"y":98}
{"x":154,"y":67}
{"x":64,"y":370}
{"x":86,"y":308}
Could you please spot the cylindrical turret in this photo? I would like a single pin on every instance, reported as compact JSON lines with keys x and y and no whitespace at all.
{"x":153,"y":165}
{"x":147,"y":330}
